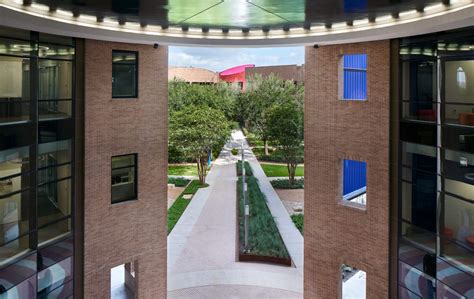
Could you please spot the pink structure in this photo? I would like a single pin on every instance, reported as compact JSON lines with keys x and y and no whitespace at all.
{"x":236,"y":75}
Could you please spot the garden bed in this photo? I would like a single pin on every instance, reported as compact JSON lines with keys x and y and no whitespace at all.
{"x":285,"y":184}
{"x":178,"y":207}
{"x":248,"y":169}
{"x":265,"y":243}
{"x":298,"y":220}
{"x":178,"y":181}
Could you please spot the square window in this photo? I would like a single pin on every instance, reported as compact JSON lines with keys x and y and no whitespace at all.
{"x":354,"y":181}
{"x":124,"y":178}
{"x":124,"y":74}
{"x":354,"y":77}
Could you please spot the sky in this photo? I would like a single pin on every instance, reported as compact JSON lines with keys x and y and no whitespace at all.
{"x":219,"y":59}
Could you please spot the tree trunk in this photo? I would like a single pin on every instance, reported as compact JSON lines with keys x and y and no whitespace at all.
{"x":291,"y":172}
{"x":202,"y":169}
{"x":265,"y":146}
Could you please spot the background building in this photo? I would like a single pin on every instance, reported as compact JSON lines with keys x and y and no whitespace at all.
{"x":193,"y":75}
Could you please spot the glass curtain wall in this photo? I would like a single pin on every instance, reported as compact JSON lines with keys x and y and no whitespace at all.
{"x":436,"y":163}
{"x":36,"y":161}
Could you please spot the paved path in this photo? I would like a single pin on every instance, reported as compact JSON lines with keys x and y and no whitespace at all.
{"x":202,"y":246}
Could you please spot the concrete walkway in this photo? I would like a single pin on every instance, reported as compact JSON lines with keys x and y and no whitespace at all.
{"x":202,"y":256}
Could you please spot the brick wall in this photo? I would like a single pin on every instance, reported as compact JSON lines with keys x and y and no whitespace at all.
{"x":135,"y":230}
{"x":337,"y":130}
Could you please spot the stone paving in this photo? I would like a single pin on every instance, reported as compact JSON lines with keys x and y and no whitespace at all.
{"x":202,"y":246}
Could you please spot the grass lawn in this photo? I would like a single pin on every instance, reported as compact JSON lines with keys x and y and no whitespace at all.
{"x":190,"y":170}
{"x":264,"y":238}
{"x":298,"y":220}
{"x":178,"y":207}
{"x":277,"y":170}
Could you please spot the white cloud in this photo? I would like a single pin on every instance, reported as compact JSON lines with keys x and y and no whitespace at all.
{"x":218,"y":59}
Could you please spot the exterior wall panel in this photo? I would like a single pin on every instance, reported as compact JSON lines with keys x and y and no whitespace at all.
{"x":134,"y":230}
{"x":335,"y":233}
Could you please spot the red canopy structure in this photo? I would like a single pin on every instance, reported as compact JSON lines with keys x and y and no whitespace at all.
{"x":236,"y":75}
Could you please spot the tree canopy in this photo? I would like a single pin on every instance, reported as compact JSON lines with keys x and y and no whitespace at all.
{"x":197,"y":130}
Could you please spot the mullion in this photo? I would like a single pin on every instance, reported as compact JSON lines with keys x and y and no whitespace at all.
{"x":55,"y":165}
{"x":122,"y":167}
{"x":55,"y":181}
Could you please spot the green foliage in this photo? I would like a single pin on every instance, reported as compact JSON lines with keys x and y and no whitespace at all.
{"x":285,"y":184}
{"x":298,"y":220}
{"x":262,"y":94}
{"x":285,"y":129}
{"x":275,"y":170}
{"x":178,"y":182}
{"x":248,"y":169}
{"x":234,"y":151}
{"x":178,"y":207}
{"x":220,"y":96}
{"x":194,"y":131}
{"x":275,"y":155}
{"x":263,"y":235}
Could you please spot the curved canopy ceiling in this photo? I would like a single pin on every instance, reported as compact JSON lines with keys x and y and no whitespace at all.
{"x":232,"y":21}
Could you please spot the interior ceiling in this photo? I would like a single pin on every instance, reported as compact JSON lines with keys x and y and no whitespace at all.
{"x":232,"y":14}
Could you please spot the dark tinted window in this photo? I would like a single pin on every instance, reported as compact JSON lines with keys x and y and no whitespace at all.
{"x":124,"y":74}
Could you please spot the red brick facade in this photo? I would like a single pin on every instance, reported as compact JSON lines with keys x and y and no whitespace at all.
{"x":335,"y":233}
{"x":134,"y":230}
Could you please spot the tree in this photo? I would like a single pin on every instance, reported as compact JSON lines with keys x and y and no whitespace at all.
{"x":285,"y":128}
{"x":197,"y":130}
{"x":262,"y":94}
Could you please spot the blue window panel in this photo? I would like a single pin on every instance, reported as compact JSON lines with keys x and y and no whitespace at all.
{"x":355,"y":176}
{"x":355,"y":5}
{"x":355,"y":76}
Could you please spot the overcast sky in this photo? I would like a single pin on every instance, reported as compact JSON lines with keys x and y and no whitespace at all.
{"x":219,"y":59}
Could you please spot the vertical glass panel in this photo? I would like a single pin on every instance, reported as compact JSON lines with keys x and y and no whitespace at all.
{"x":14,"y":216}
{"x":53,"y":277}
{"x":54,"y":153}
{"x":16,"y":47}
{"x":55,"y":253}
{"x":56,"y":51}
{"x":419,"y":156}
{"x":443,"y":291}
{"x":13,"y":274}
{"x":355,"y":76}
{"x":14,"y":89}
{"x":124,"y":74}
{"x":54,"y":231}
{"x":54,"y":109}
{"x":54,"y":201}
{"x":52,"y":173}
{"x":404,"y":293}
{"x":419,"y":236}
{"x":14,"y":167}
{"x":26,"y":289}
{"x":12,"y":250}
{"x":55,"y":79}
{"x":461,"y":189}
{"x":459,"y":166}
{"x":419,"y":90}
{"x":459,"y":138}
{"x":459,"y":281}
{"x":458,"y":232}
{"x":416,"y":281}
{"x":459,"y":90}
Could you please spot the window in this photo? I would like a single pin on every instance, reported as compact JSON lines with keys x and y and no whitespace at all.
{"x":124,"y":74}
{"x":353,"y":282}
{"x":354,"y":181}
{"x":355,"y":77}
{"x":124,"y":178}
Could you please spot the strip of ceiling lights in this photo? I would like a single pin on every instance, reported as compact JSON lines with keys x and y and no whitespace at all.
{"x":404,"y":17}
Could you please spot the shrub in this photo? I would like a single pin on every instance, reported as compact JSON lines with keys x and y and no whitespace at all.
{"x":263,"y":236}
{"x":285,"y":184}
{"x":178,"y":182}
{"x":248,"y":169}
{"x":298,"y":220}
{"x":234,"y":151}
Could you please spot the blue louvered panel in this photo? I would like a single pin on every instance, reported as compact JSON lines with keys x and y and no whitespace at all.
{"x":355,"y":173}
{"x":355,"y":77}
